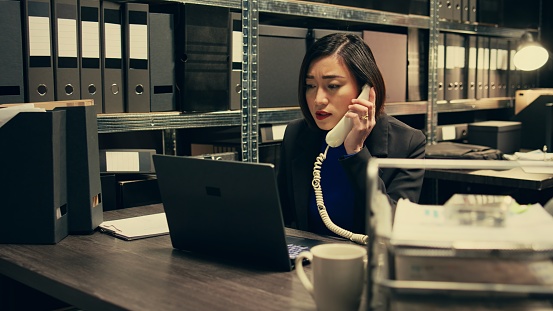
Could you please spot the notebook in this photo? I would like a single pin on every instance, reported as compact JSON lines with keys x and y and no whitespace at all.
{"x":226,"y":209}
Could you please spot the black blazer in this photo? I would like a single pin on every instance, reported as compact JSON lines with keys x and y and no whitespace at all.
{"x":390,"y":138}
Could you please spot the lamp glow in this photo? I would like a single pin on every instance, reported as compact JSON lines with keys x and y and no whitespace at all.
{"x":530,"y":55}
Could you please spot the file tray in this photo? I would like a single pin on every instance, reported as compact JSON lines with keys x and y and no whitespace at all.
{"x":33,"y":184}
{"x":460,"y":276}
{"x":425,"y":254}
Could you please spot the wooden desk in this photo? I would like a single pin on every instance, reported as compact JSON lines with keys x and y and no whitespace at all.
{"x":100,"y":272}
{"x":524,"y":187}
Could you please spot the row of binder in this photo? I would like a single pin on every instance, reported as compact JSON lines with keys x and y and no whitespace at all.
{"x":77,"y":49}
{"x":475,"y":67}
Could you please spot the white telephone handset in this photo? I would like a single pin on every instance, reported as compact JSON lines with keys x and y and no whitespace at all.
{"x":335,"y":138}
{"x":338,"y":134}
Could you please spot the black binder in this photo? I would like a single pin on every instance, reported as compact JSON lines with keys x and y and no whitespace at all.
{"x":33,"y":183}
{"x":66,"y":51}
{"x":456,"y":10}
{"x":202,"y":44}
{"x":84,"y":193}
{"x":440,"y":67}
{"x":112,"y":61}
{"x":417,"y":65}
{"x":454,"y":66}
{"x":281,"y":50}
{"x":12,"y":85}
{"x":162,"y":62}
{"x":235,"y":81}
{"x":90,"y":46}
{"x":390,"y":53}
{"x":137,"y":68}
{"x":472,"y":61}
{"x":445,"y":10}
{"x":483,"y":68}
{"x":39,"y":72}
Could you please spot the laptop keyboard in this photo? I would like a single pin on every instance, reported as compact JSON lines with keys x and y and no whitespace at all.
{"x":294,"y":250}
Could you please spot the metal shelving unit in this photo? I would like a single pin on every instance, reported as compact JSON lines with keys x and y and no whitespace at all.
{"x":249,"y":117}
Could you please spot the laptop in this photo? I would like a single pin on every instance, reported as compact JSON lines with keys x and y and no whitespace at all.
{"x":226,"y":209}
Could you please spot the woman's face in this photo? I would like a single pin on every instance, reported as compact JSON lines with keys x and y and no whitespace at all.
{"x":330,"y":87}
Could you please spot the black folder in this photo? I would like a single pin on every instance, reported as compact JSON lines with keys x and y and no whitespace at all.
{"x":137,"y":67}
{"x":66,"y":51}
{"x":33,"y":183}
{"x":202,"y":44}
{"x":90,"y":46}
{"x":494,"y":79}
{"x":12,"y":85}
{"x":39,"y":70}
{"x":111,"y":56}
{"x":162,"y":62}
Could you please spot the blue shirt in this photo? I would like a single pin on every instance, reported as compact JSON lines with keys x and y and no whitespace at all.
{"x":337,"y":194}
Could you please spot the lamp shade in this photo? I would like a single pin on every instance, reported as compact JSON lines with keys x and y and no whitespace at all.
{"x":530,"y":55}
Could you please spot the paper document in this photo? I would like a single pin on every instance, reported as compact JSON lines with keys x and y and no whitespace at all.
{"x":426,"y":226}
{"x":136,"y":227}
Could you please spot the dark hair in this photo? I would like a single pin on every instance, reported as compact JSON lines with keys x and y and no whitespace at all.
{"x":355,"y":55}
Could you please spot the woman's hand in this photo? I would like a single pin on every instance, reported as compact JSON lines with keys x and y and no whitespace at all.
{"x":362,"y":114}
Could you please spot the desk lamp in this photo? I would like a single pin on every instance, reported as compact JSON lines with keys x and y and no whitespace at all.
{"x":530,"y":55}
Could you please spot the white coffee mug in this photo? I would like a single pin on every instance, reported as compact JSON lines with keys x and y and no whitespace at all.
{"x":338,"y":275}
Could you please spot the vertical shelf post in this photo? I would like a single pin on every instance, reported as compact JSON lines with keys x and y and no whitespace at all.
{"x":431,"y":107}
{"x":249,"y":105}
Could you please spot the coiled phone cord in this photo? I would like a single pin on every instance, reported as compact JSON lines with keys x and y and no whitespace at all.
{"x":316,"y":183}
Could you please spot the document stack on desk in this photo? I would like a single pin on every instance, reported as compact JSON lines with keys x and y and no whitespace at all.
{"x":137,"y":227}
{"x":435,"y":252}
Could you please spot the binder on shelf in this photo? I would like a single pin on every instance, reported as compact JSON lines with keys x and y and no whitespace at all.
{"x":12,"y":85}
{"x":483,"y":67}
{"x":281,"y":50}
{"x":417,"y":65}
{"x":502,"y":67}
{"x":440,"y":68}
{"x":493,"y":68}
{"x":66,"y":51}
{"x":90,"y":46}
{"x":112,"y":58}
{"x":514,"y":75}
{"x":456,"y":10}
{"x":473,"y":10}
{"x":390,"y":53}
{"x":202,"y":66}
{"x":33,"y":184}
{"x":137,"y":69}
{"x":472,"y":62}
{"x":235,"y":86}
{"x":445,"y":11}
{"x":162,"y":62}
{"x":39,"y":70}
{"x":454,"y":72}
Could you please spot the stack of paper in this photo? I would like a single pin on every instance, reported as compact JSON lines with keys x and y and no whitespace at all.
{"x":137,"y":227}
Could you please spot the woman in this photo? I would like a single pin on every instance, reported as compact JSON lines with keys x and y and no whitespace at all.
{"x":333,"y":72}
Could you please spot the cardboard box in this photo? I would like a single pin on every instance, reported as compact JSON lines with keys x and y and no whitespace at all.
{"x":502,"y":135}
